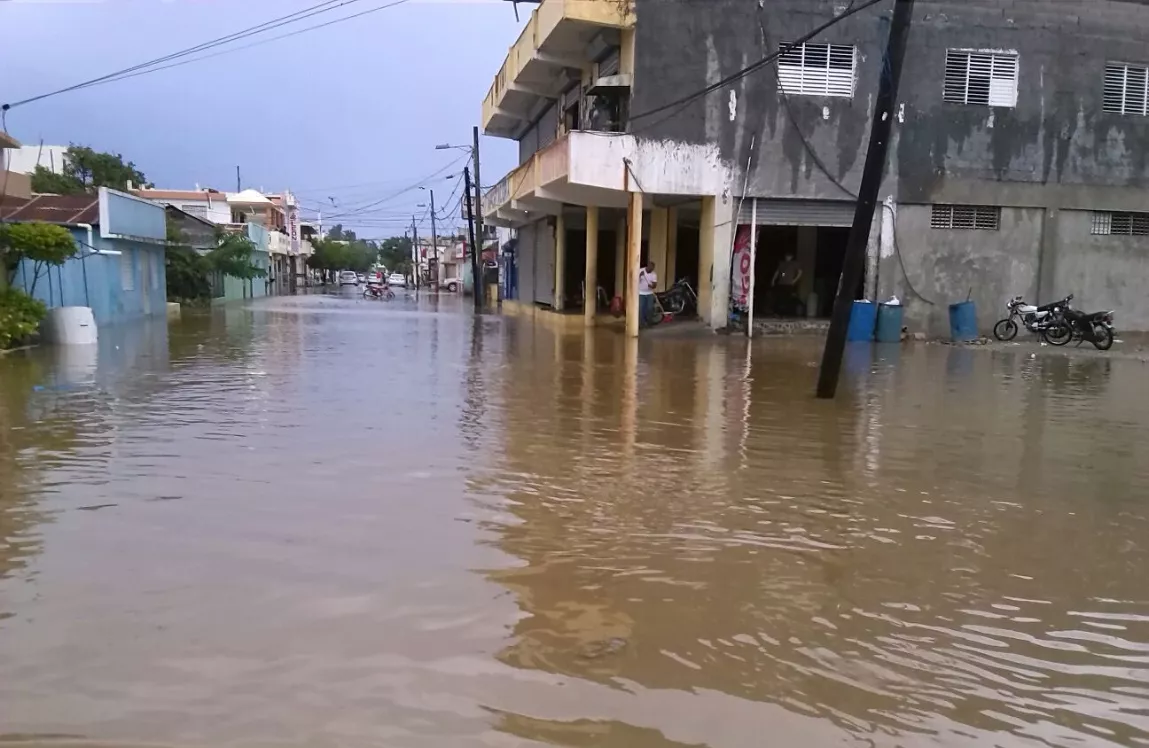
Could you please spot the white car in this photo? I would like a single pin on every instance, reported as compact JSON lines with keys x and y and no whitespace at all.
{"x":397,"y":280}
{"x":348,"y":278}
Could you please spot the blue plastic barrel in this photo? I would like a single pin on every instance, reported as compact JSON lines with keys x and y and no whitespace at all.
{"x":963,"y":321}
{"x":862,"y":320}
{"x":890,"y":323}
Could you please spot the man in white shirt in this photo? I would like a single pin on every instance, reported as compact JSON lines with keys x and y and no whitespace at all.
{"x":647,"y":281}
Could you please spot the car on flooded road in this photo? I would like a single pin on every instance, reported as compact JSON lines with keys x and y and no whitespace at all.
{"x":348,"y":278}
{"x":397,"y":280}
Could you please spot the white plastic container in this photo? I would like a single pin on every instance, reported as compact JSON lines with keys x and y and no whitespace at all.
{"x":69,"y":325}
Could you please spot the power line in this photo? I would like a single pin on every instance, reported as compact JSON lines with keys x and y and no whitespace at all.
{"x":150,"y":66}
{"x":682,"y":102}
{"x":403,"y":191}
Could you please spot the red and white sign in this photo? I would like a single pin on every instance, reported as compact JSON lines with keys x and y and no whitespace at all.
{"x":743,"y":267}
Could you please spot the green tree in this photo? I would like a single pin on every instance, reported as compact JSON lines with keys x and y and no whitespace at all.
{"x":85,"y":170}
{"x":395,"y":253}
{"x":50,"y":182}
{"x":41,"y":244}
{"x":233,"y":257}
{"x":187,"y":270}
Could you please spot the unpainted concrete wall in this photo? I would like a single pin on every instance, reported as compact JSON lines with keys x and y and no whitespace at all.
{"x":944,"y":266}
{"x":1056,"y":148}
{"x":1103,"y":272}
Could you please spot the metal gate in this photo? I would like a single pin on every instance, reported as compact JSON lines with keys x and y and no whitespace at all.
{"x":797,"y":212}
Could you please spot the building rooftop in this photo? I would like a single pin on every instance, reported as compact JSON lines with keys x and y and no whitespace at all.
{"x":68,"y":210}
{"x":248,"y":197}
{"x":151,"y":194}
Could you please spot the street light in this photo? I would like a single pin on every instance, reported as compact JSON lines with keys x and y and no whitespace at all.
{"x":448,"y":146}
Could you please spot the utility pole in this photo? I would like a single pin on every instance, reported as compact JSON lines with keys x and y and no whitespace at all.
{"x":478,"y":205}
{"x":474,"y":254}
{"x":434,"y":244}
{"x":414,"y":254}
{"x":855,"y":260}
{"x":238,"y":182}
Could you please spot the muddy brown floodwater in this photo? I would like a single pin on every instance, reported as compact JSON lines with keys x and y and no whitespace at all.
{"x":329,"y":522}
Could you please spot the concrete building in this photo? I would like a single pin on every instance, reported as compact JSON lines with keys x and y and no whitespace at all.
{"x":118,"y":269}
{"x":25,"y":159}
{"x":206,"y":203}
{"x":13,"y":181}
{"x":1016,"y":167}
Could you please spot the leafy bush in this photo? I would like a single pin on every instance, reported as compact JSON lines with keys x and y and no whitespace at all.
{"x":20,"y":317}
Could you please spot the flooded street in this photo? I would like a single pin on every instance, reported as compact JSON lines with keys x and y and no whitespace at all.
{"x":323,"y":521}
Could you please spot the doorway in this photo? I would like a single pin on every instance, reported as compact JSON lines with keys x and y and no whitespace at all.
{"x":811,"y":255}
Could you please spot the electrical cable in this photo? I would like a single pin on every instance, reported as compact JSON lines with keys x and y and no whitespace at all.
{"x":150,"y":66}
{"x":403,"y":191}
{"x":830,"y":176}
{"x":723,"y":83}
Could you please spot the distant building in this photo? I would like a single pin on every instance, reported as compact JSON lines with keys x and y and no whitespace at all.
{"x":13,"y":183}
{"x":208,"y":204}
{"x":25,"y":159}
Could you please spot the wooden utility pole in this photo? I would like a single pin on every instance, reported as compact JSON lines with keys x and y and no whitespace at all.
{"x":414,"y":254}
{"x":855,"y":261}
{"x":475,"y":281}
{"x":434,"y":244}
{"x":478,"y":196}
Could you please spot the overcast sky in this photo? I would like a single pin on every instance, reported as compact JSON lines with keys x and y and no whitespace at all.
{"x":352,"y":111}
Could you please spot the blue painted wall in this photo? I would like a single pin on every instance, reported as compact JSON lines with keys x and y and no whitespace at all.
{"x":118,"y":288}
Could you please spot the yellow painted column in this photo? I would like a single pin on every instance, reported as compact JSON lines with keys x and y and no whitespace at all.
{"x":671,"y":246}
{"x":560,"y":261}
{"x":590,"y":280}
{"x":633,"y":256}
{"x":620,"y":258}
{"x":657,"y":250}
{"x":705,"y":257}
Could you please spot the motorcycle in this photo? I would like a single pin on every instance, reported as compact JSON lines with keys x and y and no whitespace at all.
{"x":678,"y":298}
{"x":1096,"y":327}
{"x":378,"y":292}
{"x":1035,"y":318}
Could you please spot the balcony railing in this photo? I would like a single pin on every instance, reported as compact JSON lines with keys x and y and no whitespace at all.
{"x":548,"y":17}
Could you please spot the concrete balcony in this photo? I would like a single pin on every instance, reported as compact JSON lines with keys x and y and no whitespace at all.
{"x":565,"y":172}
{"x":549,"y":54}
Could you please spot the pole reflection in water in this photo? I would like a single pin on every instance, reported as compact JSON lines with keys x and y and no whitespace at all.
{"x":322,"y":520}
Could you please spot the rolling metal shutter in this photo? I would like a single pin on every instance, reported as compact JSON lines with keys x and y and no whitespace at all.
{"x":525,"y":263}
{"x":798,"y":212}
{"x":544,"y":262}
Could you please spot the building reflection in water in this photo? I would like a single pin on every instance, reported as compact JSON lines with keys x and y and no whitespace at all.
{"x":688,"y":518}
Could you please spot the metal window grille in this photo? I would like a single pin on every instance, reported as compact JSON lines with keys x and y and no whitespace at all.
{"x":1120,"y":224}
{"x":981,"y":78}
{"x":982,"y":217}
{"x":1126,"y":89}
{"x":819,"y":70}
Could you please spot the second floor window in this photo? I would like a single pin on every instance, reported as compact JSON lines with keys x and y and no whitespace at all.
{"x":981,"y":78}
{"x":818,"y":70}
{"x":1120,"y":224}
{"x":1126,"y":88}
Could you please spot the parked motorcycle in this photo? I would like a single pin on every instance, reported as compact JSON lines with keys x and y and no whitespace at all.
{"x":1096,"y":327}
{"x":679,"y":298}
{"x":1035,"y":318}
{"x":378,"y":292}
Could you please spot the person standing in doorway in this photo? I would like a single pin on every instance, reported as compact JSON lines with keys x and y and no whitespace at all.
{"x":785,"y":285}
{"x":647,"y":281}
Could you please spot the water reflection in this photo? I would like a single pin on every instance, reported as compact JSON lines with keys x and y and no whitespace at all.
{"x":323,"y":520}
{"x":891,"y":564}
